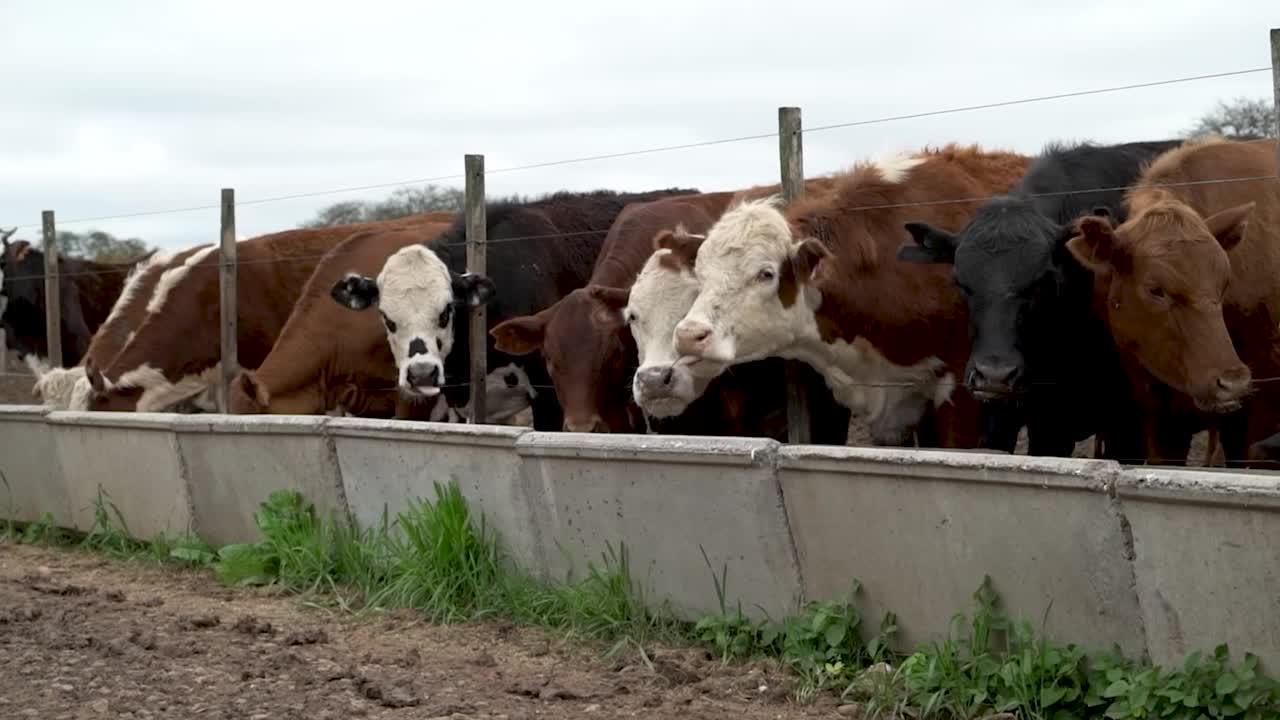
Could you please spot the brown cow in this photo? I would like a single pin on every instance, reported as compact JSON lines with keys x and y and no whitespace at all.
{"x":329,"y":357}
{"x":822,"y":282}
{"x":591,"y":362}
{"x":174,"y":353}
{"x":1191,"y":298}
{"x":69,"y":388}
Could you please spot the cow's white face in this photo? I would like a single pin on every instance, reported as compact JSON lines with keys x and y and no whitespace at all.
{"x":416,"y":295}
{"x":751,"y":302}
{"x":664,"y":383}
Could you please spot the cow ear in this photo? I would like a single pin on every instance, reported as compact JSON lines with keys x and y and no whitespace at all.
{"x":20,"y":250}
{"x":1229,"y":225}
{"x":609,"y":303}
{"x":682,"y":244}
{"x":355,"y":291}
{"x":806,"y":255}
{"x":95,"y":378}
{"x":933,"y":244}
{"x":473,"y":289}
{"x":1093,"y":244}
{"x":520,"y":335}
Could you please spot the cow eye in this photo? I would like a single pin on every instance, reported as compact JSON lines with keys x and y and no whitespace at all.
{"x":391,"y":326}
{"x":630,"y":318}
{"x":443,"y":320}
{"x":1156,"y":292}
{"x":765,"y":275}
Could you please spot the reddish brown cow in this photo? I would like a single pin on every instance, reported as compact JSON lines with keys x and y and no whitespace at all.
{"x":174,"y":353}
{"x":1188,"y":286}
{"x":822,"y":283}
{"x":68,"y":388}
{"x":591,"y":362}
{"x":328,"y":356}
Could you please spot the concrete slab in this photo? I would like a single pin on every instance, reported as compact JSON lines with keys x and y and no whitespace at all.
{"x":920,"y":529}
{"x":30,"y":477}
{"x":134,"y":459}
{"x":1207,"y":556}
{"x":235,"y":461}
{"x":384,"y":463}
{"x":665,"y":497}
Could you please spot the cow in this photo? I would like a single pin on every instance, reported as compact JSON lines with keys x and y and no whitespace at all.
{"x":539,"y":252}
{"x":329,"y":358}
{"x":683,"y":395}
{"x":173,"y":355}
{"x":809,"y":283}
{"x":1187,"y":287}
{"x":68,"y":388}
{"x":591,"y":362}
{"x":87,"y":290}
{"x":1041,"y":357}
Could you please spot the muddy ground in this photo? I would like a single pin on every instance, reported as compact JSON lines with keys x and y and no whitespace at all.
{"x":82,"y":636}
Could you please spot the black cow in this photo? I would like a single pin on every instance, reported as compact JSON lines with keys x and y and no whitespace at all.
{"x":87,"y":289}
{"x":538,"y":252}
{"x":1041,"y":357}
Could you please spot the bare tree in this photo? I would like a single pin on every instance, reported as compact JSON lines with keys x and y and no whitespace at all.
{"x":402,"y":201}
{"x":1240,"y":118}
{"x":101,"y":246}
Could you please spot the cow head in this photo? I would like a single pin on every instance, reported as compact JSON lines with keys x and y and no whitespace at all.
{"x":755,"y":293}
{"x":1005,"y":263}
{"x":587,"y":360}
{"x":416,"y":295}
{"x":1164,"y":274}
{"x":665,"y":383}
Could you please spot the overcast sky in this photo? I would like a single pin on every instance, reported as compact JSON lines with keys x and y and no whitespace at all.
{"x":121,"y":107}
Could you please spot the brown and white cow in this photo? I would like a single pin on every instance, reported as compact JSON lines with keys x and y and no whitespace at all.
{"x":1189,"y":285}
{"x":329,"y":358}
{"x":68,"y":388}
{"x":174,"y":353}
{"x":822,"y":283}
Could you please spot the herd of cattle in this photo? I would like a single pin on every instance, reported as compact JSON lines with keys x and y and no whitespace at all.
{"x":948,"y":297}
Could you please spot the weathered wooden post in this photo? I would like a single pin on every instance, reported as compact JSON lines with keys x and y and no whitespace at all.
{"x":52,"y":290}
{"x":228,"y":310}
{"x":791,"y":157}
{"x":1275,"y":80}
{"x":476,"y":237}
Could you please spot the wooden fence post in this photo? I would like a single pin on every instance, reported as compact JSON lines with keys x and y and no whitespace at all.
{"x":476,"y":241}
{"x":791,"y":157}
{"x":52,"y":291}
{"x":1275,"y":81}
{"x":228,"y":309}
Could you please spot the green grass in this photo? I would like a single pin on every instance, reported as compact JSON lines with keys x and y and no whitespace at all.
{"x":437,"y":558}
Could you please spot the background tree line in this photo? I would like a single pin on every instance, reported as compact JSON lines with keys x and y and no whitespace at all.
{"x":1241,"y":117}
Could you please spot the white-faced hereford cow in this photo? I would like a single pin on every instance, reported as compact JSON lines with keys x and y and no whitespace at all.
{"x":328,"y":358}
{"x":1189,"y":286}
{"x":822,"y":283}
{"x":1041,"y":356}
{"x":68,"y":388}
{"x":174,"y":353}
{"x":87,"y":291}
{"x":538,"y":253}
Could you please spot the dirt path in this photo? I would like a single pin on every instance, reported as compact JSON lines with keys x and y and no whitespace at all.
{"x":82,"y":636}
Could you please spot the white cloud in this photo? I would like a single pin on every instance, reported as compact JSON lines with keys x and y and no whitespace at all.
{"x":115,"y":108}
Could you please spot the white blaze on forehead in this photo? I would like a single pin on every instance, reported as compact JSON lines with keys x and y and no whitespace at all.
{"x":753,"y":232}
{"x":171,"y":277}
{"x":414,"y":290}
{"x":132,"y":281}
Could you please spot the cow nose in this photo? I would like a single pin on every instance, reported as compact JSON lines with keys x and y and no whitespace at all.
{"x":996,"y":375}
{"x":420,"y":374}
{"x":1234,"y":383}
{"x":692,"y":337}
{"x":417,"y":346}
{"x":593,"y":424}
{"x":654,"y":379}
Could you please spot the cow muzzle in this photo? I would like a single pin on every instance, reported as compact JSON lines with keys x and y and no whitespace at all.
{"x":423,"y":378}
{"x":592,"y":424}
{"x":1227,"y":392}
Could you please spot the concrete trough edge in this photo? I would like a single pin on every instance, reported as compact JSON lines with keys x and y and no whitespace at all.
{"x":684,"y":449}
{"x":436,"y":433}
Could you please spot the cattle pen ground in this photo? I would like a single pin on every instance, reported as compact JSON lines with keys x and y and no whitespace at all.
{"x":83,"y":636}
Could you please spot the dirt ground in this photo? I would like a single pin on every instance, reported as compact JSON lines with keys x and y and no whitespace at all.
{"x":83,"y":636}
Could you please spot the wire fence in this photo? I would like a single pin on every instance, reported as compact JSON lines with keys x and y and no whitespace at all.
{"x":124,"y":268}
